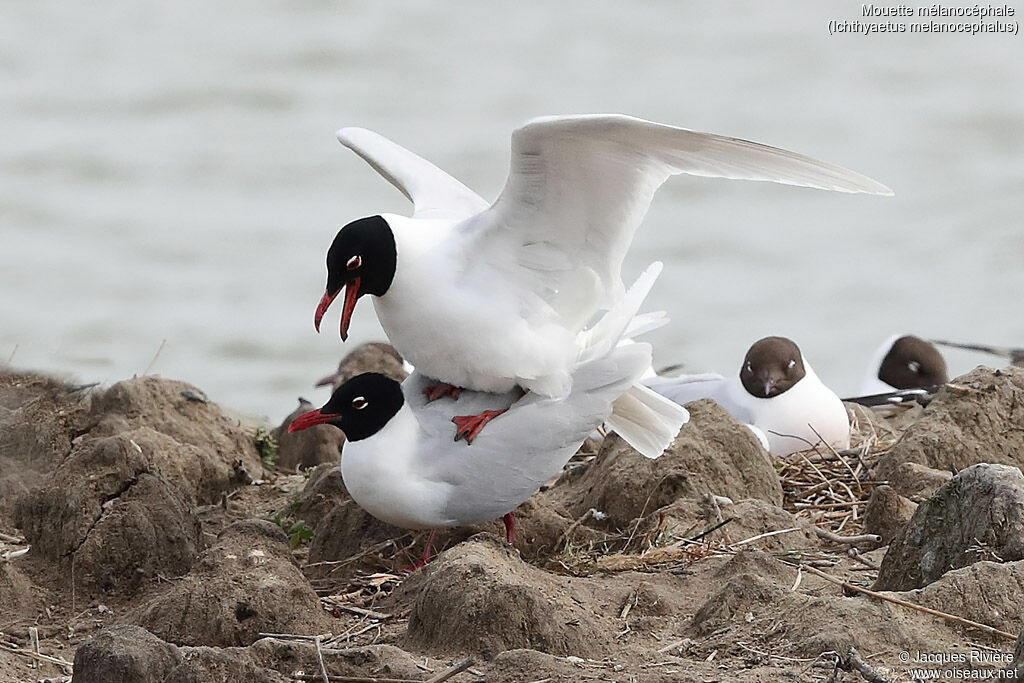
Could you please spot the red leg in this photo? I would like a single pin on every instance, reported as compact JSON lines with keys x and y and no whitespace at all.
{"x":510,"y":526}
{"x":438,"y":389}
{"x":469,"y":426}
{"x":426,"y":553}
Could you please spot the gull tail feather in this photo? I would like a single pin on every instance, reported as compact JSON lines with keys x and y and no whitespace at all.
{"x":646,"y":420}
{"x":599,"y":340}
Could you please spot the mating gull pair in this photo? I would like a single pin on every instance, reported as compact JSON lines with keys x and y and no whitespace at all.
{"x":496,"y":297}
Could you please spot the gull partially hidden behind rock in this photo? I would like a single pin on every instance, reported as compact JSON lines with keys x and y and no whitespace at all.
{"x":776,"y":392}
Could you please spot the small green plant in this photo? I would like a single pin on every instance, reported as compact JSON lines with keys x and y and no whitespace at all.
{"x":298,"y":532}
{"x":266,"y":446}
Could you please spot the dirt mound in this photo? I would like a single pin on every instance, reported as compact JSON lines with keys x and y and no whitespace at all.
{"x":309,"y":447}
{"x":887,"y":513}
{"x":917,"y":482}
{"x":104,"y":511}
{"x":222,"y":454}
{"x":480,"y":597}
{"x":371,"y":357}
{"x":712,"y":454}
{"x":976,"y":418}
{"x":124,"y":654}
{"x":247,"y":583}
{"x":38,"y":418}
{"x":633,"y":597}
{"x":978,"y":515}
{"x":990,"y":593}
{"x":346,"y":530}
{"x":324,"y":490}
{"x":753,"y":584}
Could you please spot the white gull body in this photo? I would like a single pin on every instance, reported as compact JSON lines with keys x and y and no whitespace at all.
{"x":788,"y":420}
{"x":412,"y":474}
{"x":871,"y":384}
{"x":491,"y":296}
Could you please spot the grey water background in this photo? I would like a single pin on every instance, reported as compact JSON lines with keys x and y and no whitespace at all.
{"x":169,"y":171}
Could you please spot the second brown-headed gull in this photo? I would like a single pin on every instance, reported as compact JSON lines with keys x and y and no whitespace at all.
{"x":777,"y":392}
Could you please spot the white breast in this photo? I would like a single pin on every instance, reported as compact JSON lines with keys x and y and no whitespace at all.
{"x":379,"y":477}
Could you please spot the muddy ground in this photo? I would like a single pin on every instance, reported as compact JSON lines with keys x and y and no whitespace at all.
{"x":145,"y":535}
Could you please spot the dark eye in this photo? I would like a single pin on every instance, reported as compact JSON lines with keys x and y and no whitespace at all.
{"x":354,"y":262}
{"x":359,"y":403}
{"x":914,"y":366}
{"x":748,"y":368}
{"x":791,"y":364}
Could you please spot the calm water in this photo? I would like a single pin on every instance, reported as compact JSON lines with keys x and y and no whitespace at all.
{"x":169,"y":171}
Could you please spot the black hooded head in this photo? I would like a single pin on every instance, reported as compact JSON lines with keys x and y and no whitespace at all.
{"x":363,"y":249}
{"x":360,"y":407}
{"x":772,"y":366}
{"x":913,"y":363}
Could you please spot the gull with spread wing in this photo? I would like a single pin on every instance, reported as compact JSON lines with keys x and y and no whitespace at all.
{"x":493,"y":296}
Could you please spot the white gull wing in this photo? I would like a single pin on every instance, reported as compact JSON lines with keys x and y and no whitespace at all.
{"x":434,"y":193}
{"x":579,"y":186}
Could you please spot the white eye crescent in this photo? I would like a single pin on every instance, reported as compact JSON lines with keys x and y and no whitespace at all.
{"x":791,"y":364}
{"x":749,"y":368}
{"x":359,"y":403}
{"x":914,"y":366}
{"x":354,"y":262}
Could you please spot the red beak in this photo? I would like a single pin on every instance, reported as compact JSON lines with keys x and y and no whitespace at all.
{"x":306,"y":420}
{"x":322,"y":307}
{"x":351,"y":295}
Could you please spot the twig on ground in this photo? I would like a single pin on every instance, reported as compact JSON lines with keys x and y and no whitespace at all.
{"x":457,"y":668}
{"x":855,"y":662}
{"x":851,"y":540}
{"x":292,"y":636}
{"x":705,"y":532}
{"x":671,"y":646}
{"x":857,"y":557}
{"x":11,"y":539}
{"x":910,"y":605}
{"x":320,"y":658}
{"x":33,"y":637}
{"x":350,"y":679}
{"x":35,"y":655}
{"x":643,"y":511}
{"x":560,"y":543}
{"x":361,"y":612}
{"x":765,"y":535}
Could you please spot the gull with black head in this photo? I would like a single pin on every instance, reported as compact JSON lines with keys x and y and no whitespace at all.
{"x":401,"y":464}
{"x":491,"y":296}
